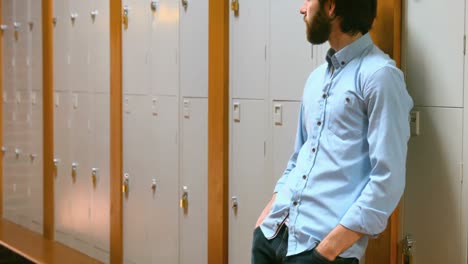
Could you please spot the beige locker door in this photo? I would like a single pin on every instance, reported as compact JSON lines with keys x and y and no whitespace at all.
{"x":36,"y":160}
{"x":80,"y":169}
{"x":80,"y":23}
{"x":164,"y":48}
{"x":247,"y":175}
{"x":432,"y":202}
{"x":284,"y":125}
{"x":98,"y":44}
{"x":36,"y":44}
{"x":137,"y":159}
{"x":20,"y":28}
{"x":63,"y":180}
{"x":100,"y":209}
{"x":193,"y":43}
{"x":163,"y":208}
{"x":248,"y":50}
{"x":291,"y":56}
{"x":62,"y":41}
{"x":135,"y":47}
{"x":434,"y":70}
{"x":194,"y":175}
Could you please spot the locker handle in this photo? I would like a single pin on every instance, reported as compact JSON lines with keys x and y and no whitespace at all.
{"x":408,"y":249}
{"x":234,"y":202}
{"x":185,"y":4}
{"x":73,"y":17}
{"x":94,"y":175}
{"x":3,"y":27}
{"x":74,"y":169}
{"x":17,"y":152}
{"x":126,"y":10}
{"x":93,"y":14}
{"x":154,"y":5}
{"x":4,"y":149}
{"x":54,"y":21}
{"x":126,"y":183}
{"x":184,"y":198}
{"x":16,"y":26}
{"x":31,"y":25}
{"x":56,"y":162}
{"x":153,"y":185}
{"x":32,"y":157}
{"x":235,"y":6}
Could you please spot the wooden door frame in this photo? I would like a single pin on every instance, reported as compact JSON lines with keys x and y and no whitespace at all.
{"x":1,"y":110}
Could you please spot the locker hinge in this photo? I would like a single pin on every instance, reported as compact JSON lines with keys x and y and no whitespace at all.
{"x":464,"y":45}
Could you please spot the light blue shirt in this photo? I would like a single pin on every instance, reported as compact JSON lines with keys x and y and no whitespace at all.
{"x":348,"y":165}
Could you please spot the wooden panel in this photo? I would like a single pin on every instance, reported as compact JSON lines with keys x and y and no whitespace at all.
{"x":116,"y":148}
{"x":48,"y":110}
{"x":218,"y":105}
{"x":1,"y":114}
{"x":386,"y":33}
{"x":34,"y":247}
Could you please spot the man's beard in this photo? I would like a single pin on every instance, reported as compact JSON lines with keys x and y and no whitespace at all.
{"x":318,"y":31}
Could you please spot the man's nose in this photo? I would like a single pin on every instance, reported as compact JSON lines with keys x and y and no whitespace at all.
{"x":303,"y":9}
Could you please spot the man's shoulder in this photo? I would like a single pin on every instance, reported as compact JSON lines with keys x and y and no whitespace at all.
{"x":376,"y":60}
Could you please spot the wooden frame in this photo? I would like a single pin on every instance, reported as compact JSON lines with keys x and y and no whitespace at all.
{"x":116,"y":134}
{"x":218,"y":133}
{"x":48,"y":114}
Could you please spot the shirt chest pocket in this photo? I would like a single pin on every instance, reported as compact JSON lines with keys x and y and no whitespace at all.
{"x":347,"y":117}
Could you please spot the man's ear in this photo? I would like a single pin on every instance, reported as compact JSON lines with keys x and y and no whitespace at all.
{"x":331,"y":8}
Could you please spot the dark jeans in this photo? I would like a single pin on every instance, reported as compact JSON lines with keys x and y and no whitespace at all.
{"x":274,"y":251}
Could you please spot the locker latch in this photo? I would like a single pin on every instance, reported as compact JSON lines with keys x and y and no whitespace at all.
{"x":54,"y":21}
{"x":73,"y":17}
{"x":74,"y":170}
{"x":234,"y":203}
{"x":16,"y":27}
{"x":184,"y":198}
{"x":94,"y":175}
{"x":126,"y":183}
{"x":4,"y":149}
{"x":185,"y":4}
{"x":235,"y":7}
{"x":17,"y":153}
{"x":32,"y":157}
{"x":3,"y":28}
{"x":408,"y":249}
{"x":31,"y":25}
{"x":125,"y":16}
{"x":154,"y":5}
{"x":153,"y":185}
{"x":93,"y":14}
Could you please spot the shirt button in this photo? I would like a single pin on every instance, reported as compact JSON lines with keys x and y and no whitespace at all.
{"x":319,"y":123}
{"x":343,"y":63}
{"x":324,"y":96}
{"x":313,"y":150}
{"x":304,"y":177}
{"x":295,"y":203}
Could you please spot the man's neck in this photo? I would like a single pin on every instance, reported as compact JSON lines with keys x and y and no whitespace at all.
{"x":339,"y":40}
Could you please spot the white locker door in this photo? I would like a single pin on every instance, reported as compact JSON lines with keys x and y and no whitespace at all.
{"x":20,"y":28}
{"x":284,"y":122}
{"x":247,"y":180}
{"x":432,"y":202}
{"x":63,"y":179}
{"x":80,"y":147}
{"x":62,"y":40}
{"x":9,"y":159}
{"x":164,"y":48}
{"x":164,"y":207}
{"x":291,"y":58}
{"x":98,"y":39}
{"x":441,"y":65}
{"x":100,"y":210}
{"x":79,"y":21}
{"x":194,"y":49}
{"x":36,"y":160}
{"x":36,"y":44}
{"x":137,"y":157}
{"x":248,"y":50}
{"x":194,"y":175}
{"x":135,"y":46}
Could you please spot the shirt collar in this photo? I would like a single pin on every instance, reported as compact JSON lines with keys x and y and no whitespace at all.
{"x":341,"y":58}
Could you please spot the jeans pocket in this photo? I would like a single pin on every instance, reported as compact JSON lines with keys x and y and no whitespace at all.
{"x":319,"y":258}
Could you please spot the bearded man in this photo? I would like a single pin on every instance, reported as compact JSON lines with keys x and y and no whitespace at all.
{"x":347,"y":172}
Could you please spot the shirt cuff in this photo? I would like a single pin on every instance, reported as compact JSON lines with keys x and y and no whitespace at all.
{"x":364,"y":220}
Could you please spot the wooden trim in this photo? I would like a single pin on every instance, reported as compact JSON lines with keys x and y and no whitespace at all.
{"x":48,"y":114}
{"x":1,"y":113}
{"x":218,"y":133}
{"x":116,"y":135}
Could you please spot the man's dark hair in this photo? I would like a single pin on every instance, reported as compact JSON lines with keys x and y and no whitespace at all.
{"x":356,"y":15}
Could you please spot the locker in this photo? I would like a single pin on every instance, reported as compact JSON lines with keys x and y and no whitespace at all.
{"x":164,"y":76}
{"x":194,"y":175}
{"x":100,"y":210}
{"x":62,"y":42}
{"x":79,"y":22}
{"x":284,"y":124}
{"x":98,"y":43}
{"x":434,"y":78}
{"x":434,"y":221}
{"x":193,"y":45}
{"x":247,"y":181}
{"x":291,"y":56}
{"x":21,"y":43}
{"x":36,"y":45}
{"x":164,"y":163}
{"x":79,"y":170}
{"x":63,"y":180}
{"x":248,"y":50}
{"x":135,"y":46}
{"x":137,"y":160}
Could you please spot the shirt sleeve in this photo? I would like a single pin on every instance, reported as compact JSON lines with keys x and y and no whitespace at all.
{"x":301,"y":137}
{"x":388,"y":107}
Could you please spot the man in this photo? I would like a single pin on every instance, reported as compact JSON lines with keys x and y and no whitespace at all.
{"x":347,"y":172}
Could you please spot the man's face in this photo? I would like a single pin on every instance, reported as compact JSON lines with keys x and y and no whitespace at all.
{"x":317,"y":21}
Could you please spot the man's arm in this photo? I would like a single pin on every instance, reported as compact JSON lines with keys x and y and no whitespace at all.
{"x":388,"y":106}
